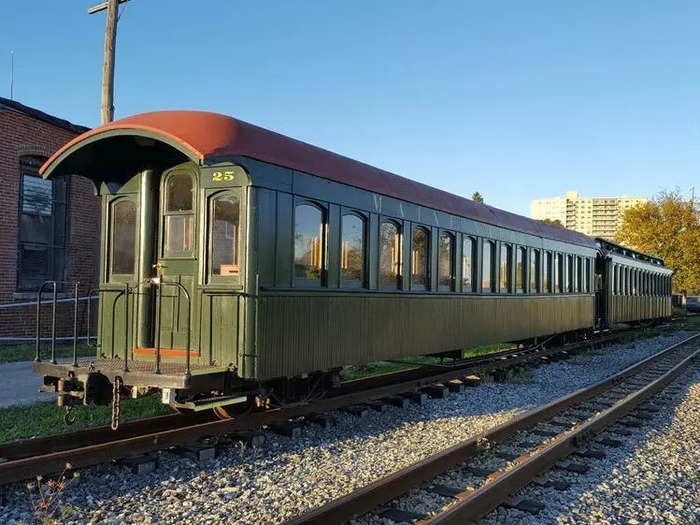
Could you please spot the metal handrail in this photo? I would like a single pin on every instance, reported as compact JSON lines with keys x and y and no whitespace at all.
{"x":37,"y":357}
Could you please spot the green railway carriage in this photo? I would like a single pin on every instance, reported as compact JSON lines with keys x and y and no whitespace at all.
{"x":636,"y":287}
{"x":241,"y":264}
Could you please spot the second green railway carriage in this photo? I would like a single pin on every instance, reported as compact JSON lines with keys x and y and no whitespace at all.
{"x":237,"y":261}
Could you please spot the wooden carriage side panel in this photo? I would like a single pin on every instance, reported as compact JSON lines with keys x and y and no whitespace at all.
{"x":305,"y":332}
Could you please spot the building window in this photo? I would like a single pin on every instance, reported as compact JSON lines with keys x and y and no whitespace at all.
{"x":420,"y":242}
{"x":505,"y":267}
{"x":179,"y":215}
{"x":225,"y":236}
{"x":520,"y":269}
{"x":309,"y":244}
{"x":446,"y":262}
{"x":468,"y":264}
{"x":123,"y":241}
{"x":42,"y":227}
{"x":389,"y":255}
{"x":547,"y":274}
{"x":352,"y":251}
{"x":535,"y":271}
{"x":488,"y":263}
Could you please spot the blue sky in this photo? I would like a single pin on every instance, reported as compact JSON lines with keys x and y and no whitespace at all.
{"x":517,"y":100}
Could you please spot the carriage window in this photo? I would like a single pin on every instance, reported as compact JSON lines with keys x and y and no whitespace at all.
{"x":559,"y":274}
{"x":570,"y":273}
{"x":419,"y":259}
{"x":506,"y":258}
{"x":352,"y":253}
{"x":446,"y":262}
{"x":389,"y":255}
{"x":123,"y":237}
{"x":468,"y":264}
{"x":488,"y":277}
{"x":547,"y":274}
{"x":225,"y":223}
{"x":534,"y":271}
{"x":308,"y":243}
{"x":579,"y":274}
{"x":615,"y":279}
{"x":179,"y":192}
{"x":179,"y":216}
{"x":520,"y":269}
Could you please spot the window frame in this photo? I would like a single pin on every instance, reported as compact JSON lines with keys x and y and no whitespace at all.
{"x":452,"y":263}
{"x":493,"y":262}
{"x":524,"y":268}
{"x":535,"y":263}
{"x":210,"y":196}
{"x":399,"y":226}
{"x":508,"y":289}
{"x":428,"y":258}
{"x":322,"y":282}
{"x":111,"y":276}
{"x":474,"y":263}
{"x":164,"y":214}
{"x":365,"y":259}
{"x":29,"y":167}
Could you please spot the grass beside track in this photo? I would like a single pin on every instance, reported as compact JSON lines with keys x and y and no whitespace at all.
{"x":27,"y":352}
{"x":45,"y":418}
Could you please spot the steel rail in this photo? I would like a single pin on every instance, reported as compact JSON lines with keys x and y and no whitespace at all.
{"x":500,"y":485}
{"x":398,"y":483}
{"x":95,"y":446}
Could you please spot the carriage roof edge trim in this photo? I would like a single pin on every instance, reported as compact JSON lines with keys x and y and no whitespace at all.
{"x":210,"y":137}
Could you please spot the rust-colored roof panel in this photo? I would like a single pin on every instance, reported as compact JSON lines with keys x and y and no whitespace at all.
{"x":208,"y":136}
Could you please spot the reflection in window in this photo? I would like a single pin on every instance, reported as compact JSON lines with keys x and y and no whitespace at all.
{"x":468,"y":264}
{"x":123,"y":236}
{"x":488,"y":275}
{"x":225,"y":235}
{"x":520,"y":270}
{"x":559,"y":274}
{"x":352,"y":258}
{"x":389,"y":255}
{"x":547,"y":274}
{"x":178,"y":216}
{"x":178,"y":192}
{"x":446,"y":262}
{"x":419,"y":259}
{"x":308,"y":243}
{"x":534,"y":271}
{"x":506,"y":258}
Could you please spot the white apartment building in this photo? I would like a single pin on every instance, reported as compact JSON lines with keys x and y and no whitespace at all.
{"x":594,"y":216}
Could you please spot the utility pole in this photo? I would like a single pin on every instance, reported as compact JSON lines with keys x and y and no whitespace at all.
{"x":112,"y":7}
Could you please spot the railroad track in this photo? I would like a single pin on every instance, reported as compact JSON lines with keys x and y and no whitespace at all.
{"x":467,"y":481}
{"x":49,"y":455}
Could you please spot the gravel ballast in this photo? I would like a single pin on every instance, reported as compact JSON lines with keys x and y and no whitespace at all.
{"x":652,"y":478}
{"x":285,"y":477}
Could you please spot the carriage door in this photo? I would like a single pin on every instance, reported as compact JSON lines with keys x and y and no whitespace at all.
{"x":177,"y":261}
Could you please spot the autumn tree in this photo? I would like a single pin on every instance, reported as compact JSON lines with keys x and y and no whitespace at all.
{"x":668,"y":227}
{"x":476,"y":197}
{"x":553,"y":222}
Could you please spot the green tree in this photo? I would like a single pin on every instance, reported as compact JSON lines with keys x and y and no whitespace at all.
{"x":476,"y":197}
{"x":668,"y":227}
{"x":555,"y":222}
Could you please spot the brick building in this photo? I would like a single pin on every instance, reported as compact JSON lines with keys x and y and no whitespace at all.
{"x":49,"y":229}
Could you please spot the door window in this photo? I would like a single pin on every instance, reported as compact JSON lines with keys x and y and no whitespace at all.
{"x":178,"y":217}
{"x":123,"y":245}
